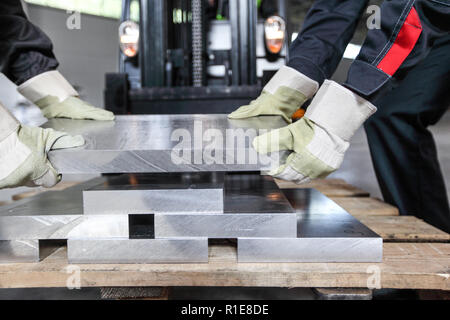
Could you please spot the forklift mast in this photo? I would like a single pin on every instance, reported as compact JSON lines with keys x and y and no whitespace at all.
{"x":170,"y":72}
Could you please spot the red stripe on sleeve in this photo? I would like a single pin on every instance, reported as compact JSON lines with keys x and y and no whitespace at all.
{"x":403,"y":45}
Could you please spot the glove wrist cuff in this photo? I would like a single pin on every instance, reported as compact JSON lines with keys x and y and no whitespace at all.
{"x":8,"y":123}
{"x":51,"y":83}
{"x":339,"y":110}
{"x":293,"y":79}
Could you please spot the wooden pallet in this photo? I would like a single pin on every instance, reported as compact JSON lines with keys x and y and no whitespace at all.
{"x":405,"y":265}
{"x":415,"y":256}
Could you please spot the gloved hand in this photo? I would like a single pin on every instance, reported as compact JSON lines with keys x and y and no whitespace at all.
{"x":284,"y":94}
{"x":23,"y":152}
{"x":319,"y":140}
{"x":56,"y":98}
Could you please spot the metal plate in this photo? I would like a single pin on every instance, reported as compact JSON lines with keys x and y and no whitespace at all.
{"x":310,"y":250}
{"x":165,"y":143}
{"x":37,"y":227}
{"x":254,"y":193}
{"x":154,"y":193}
{"x":137,"y":250}
{"x":21,"y":251}
{"x":312,"y":201}
{"x":325,"y":233}
{"x":225,"y":225}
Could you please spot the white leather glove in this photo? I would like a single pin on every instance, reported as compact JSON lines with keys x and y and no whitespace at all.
{"x":56,"y":98}
{"x":320,"y":139}
{"x":23,"y":152}
{"x":283,"y":95}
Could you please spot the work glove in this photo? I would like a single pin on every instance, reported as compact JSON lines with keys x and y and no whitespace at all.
{"x":23,"y":152}
{"x":56,"y":98}
{"x":283,"y":95}
{"x":319,"y":140}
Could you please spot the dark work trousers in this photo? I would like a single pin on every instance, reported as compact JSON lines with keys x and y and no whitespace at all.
{"x":25,"y":51}
{"x":403,"y":150}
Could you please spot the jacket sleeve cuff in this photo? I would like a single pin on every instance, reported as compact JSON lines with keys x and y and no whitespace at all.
{"x":308,"y":68}
{"x":293,"y":79}
{"x":339,"y":110}
{"x":51,"y":83}
{"x":8,"y":123}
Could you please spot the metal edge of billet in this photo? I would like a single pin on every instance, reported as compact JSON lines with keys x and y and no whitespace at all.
{"x":52,"y":227}
{"x":111,"y":251}
{"x":27,"y":251}
{"x":226,"y":225}
{"x":134,"y":144}
{"x":310,"y":250}
{"x":98,"y":202}
{"x":137,"y":161}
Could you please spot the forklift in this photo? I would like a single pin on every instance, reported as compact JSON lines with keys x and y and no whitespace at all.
{"x":195,"y":56}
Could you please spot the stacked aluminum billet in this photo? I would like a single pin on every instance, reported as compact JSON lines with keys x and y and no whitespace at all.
{"x":168,"y":218}
{"x":163,"y":216}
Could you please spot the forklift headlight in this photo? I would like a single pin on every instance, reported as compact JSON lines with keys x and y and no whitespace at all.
{"x":274,"y":33}
{"x":129,"y":38}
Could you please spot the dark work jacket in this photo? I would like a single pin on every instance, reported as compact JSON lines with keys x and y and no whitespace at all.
{"x":409,"y":29}
{"x":25,"y":51}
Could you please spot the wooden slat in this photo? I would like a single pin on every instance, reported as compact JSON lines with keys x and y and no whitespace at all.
{"x":405,"y":265}
{"x":329,"y":187}
{"x":357,"y":206}
{"x":404,"y":228}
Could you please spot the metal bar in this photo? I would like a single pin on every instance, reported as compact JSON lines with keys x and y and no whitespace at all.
{"x":326,"y":249}
{"x":143,"y":194}
{"x":235,"y":40}
{"x":137,"y":250}
{"x":155,"y":201}
{"x":152,"y":42}
{"x":225,"y":225}
{"x":198,"y":43}
{"x":325,"y":233}
{"x":251,"y":59}
{"x":244,"y":40}
{"x":23,"y":251}
{"x":165,"y":143}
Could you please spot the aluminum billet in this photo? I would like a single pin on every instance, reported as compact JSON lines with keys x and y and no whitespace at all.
{"x":165,"y":143}
{"x":137,"y":250}
{"x":21,"y":251}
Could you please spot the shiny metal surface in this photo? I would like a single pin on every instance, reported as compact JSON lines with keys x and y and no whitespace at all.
{"x":37,"y":227}
{"x":17,"y":251}
{"x":325,"y":233}
{"x":254,"y":210}
{"x":154,"y":193}
{"x":66,"y":202}
{"x":312,"y":201}
{"x":137,"y":250}
{"x":21,"y":251}
{"x":327,"y":249}
{"x":225,"y":225}
{"x":156,"y":201}
{"x":254,"y":193}
{"x":150,"y":143}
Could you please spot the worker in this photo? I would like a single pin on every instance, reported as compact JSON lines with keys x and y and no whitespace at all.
{"x":27,"y":59}
{"x":403,"y":69}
